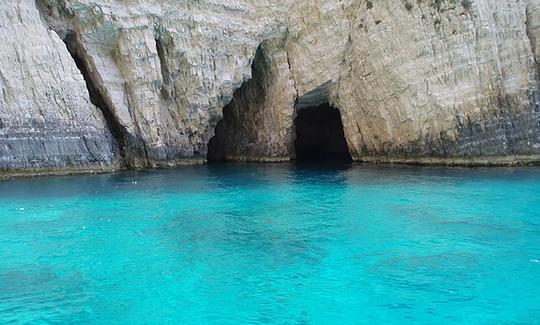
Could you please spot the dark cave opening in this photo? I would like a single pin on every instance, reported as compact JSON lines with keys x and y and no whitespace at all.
{"x":234,"y":135}
{"x":218,"y":144}
{"x":320,"y":136}
{"x":246,"y":131}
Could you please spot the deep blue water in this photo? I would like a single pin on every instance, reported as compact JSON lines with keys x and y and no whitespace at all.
{"x":276,"y":244}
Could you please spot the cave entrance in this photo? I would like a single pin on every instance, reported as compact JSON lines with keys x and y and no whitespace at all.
{"x":320,"y":136}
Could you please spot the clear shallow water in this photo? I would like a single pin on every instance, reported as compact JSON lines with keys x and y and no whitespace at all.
{"x":278,"y":244}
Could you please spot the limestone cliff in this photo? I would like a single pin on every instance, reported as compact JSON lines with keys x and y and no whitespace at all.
{"x":442,"y":80}
{"x":47,"y":122}
{"x":100,"y":84}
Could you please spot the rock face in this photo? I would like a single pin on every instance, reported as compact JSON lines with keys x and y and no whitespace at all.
{"x":47,"y":122}
{"x":164,"y":70}
{"x":533,"y":30}
{"x":258,"y":124}
{"x":446,"y":80}
{"x":162,"y":83}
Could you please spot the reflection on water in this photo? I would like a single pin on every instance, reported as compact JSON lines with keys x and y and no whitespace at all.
{"x":285,"y":244}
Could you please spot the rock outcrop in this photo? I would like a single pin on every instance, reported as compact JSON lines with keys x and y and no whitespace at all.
{"x":47,"y":122}
{"x":101,"y":84}
{"x":258,"y":124}
{"x":443,"y":80}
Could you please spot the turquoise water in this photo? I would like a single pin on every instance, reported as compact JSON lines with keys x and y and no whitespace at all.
{"x":273,"y":244}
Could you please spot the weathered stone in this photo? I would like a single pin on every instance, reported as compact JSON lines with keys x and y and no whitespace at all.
{"x":427,"y":81}
{"x":441,"y":82}
{"x":47,"y":123}
{"x":258,"y":123}
{"x":166,"y":70}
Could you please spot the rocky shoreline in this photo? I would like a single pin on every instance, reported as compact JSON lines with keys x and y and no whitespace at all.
{"x":98,"y":86}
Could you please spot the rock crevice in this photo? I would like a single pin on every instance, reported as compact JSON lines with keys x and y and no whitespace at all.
{"x":95,"y":92}
{"x":48,"y":123}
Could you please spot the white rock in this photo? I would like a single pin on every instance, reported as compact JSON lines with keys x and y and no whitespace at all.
{"x":418,"y":83}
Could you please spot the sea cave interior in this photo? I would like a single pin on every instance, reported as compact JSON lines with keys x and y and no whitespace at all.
{"x":319,"y":135}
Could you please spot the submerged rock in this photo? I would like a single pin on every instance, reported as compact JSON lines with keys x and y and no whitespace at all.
{"x":145,"y":83}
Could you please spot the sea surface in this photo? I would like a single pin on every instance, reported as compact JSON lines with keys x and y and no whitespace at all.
{"x":273,"y":244}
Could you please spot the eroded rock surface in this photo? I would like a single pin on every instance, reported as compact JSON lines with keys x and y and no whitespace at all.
{"x":47,"y":122}
{"x":454,"y":80}
{"x":166,"y":69}
{"x":415,"y":81}
{"x":258,"y":123}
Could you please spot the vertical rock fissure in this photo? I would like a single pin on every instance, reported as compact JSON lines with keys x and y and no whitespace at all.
{"x":292,"y":151}
{"x":96,"y":95}
{"x":289,"y":66}
{"x":532,"y":38}
{"x":166,"y":87}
